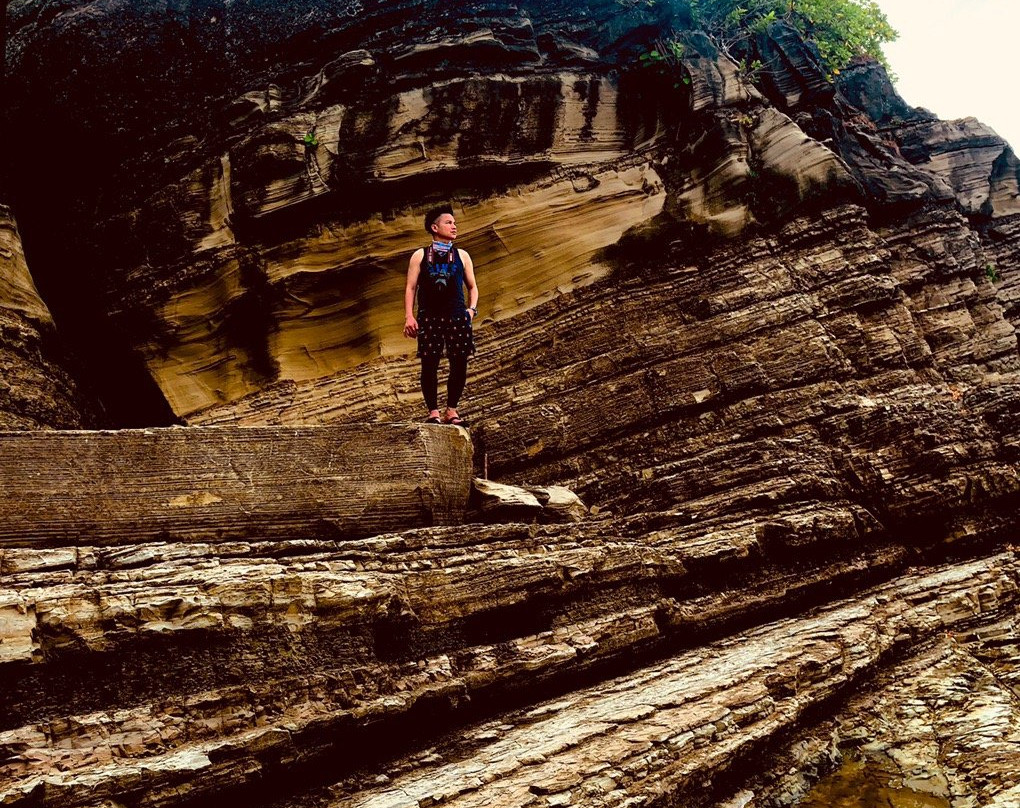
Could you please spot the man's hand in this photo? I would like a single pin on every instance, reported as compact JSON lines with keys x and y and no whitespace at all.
{"x":410,"y":327}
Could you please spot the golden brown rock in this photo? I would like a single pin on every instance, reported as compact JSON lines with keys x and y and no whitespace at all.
{"x":222,"y":484}
{"x":332,"y":300}
{"x":505,"y":503}
{"x":768,"y":332}
{"x":36,"y":389}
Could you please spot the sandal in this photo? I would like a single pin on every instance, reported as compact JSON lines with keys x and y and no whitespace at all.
{"x":433,"y":419}
{"x":456,"y":420}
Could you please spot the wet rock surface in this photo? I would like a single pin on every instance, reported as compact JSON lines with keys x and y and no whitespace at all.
{"x":938,"y":730}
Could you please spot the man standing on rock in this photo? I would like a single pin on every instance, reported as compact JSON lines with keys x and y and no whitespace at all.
{"x":438,"y":274}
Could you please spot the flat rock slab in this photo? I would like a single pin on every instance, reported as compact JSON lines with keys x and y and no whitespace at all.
{"x":505,"y":503}
{"x":224,"y":483}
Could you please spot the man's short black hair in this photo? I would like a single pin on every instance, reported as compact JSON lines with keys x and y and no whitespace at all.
{"x":435,"y":213}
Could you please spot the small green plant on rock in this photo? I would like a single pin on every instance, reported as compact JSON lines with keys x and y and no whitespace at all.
{"x":667,"y":51}
{"x":750,"y":70}
{"x":667,"y":56}
{"x":992,"y":272}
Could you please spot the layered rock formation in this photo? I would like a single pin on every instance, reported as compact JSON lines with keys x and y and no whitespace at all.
{"x":766,"y":331}
{"x":181,"y":485}
{"x":938,"y":730}
{"x":36,"y":388}
{"x":233,"y":666}
{"x":249,"y":257}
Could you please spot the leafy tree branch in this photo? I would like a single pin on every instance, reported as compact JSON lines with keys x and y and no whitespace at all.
{"x":841,"y":29}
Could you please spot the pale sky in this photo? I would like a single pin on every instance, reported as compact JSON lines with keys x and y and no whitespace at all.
{"x":959,"y":58}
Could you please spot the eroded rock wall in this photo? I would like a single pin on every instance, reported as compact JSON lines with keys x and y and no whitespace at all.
{"x":36,"y":387}
{"x":766,"y":330}
{"x":226,"y":254}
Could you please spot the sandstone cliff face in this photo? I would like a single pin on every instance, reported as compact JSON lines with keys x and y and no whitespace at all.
{"x":768,"y":330}
{"x":231,"y":256}
{"x":36,"y":389}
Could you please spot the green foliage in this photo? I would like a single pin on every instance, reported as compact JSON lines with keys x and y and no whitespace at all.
{"x":842,"y":29}
{"x":666,"y":50}
{"x":992,"y":273}
{"x":667,"y":57}
{"x":750,"y":70}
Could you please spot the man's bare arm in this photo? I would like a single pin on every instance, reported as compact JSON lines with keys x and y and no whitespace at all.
{"x":469,"y":281}
{"x":413,"y":270}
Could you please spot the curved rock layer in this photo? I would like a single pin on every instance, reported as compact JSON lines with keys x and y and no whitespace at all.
{"x":36,"y":389}
{"x":238,"y":665}
{"x":314,"y":306}
{"x":260,"y":224}
{"x":767,"y":332}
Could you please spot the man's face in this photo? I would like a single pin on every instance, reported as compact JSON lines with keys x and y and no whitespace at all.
{"x":445,"y":228}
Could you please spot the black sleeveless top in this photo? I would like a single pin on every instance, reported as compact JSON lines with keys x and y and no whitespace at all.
{"x":441,"y":283}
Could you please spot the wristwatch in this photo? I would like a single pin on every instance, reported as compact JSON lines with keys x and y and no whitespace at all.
{"x":473,"y":308}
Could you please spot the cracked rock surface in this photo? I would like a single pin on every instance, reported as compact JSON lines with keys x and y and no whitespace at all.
{"x":766,"y":333}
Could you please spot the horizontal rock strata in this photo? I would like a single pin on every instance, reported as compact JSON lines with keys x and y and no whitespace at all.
{"x":767,"y":333}
{"x":222,"y":484}
{"x":829,"y":362}
{"x":661,"y":731}
{"x":558,"y":572}
{"x":664,"y":734}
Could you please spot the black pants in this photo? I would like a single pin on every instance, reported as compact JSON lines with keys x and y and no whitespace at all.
{"x":438,"y":334}
{"x":454,"y":381}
